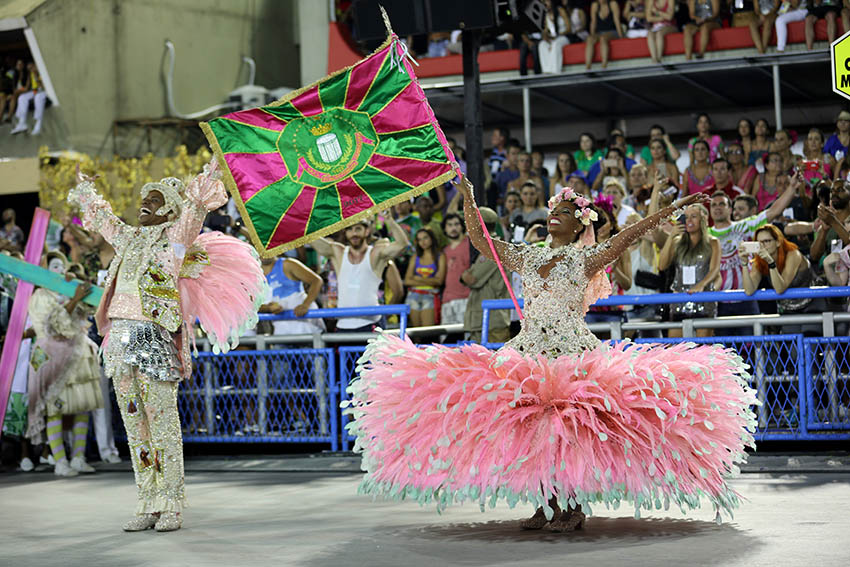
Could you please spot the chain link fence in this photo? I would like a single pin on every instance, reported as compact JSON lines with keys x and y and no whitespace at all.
{"x":271,"y":396}
{"x":828,"y":394}
{"x":292,"y":395}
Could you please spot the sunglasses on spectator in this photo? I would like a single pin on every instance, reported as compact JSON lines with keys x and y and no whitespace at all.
{"x":736,"y":152}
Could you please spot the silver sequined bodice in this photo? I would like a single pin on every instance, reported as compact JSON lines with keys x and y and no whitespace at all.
{"x":143,"y":345}
{"x":554,"y":306}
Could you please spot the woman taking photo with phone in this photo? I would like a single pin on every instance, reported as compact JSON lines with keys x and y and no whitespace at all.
{"x":695,"y":257}
{"x":660,"y":163}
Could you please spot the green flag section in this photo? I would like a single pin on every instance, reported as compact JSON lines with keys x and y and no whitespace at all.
{"x":328,"y":155}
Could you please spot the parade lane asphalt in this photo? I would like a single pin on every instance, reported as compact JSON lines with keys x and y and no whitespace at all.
{"x":256,"y":517}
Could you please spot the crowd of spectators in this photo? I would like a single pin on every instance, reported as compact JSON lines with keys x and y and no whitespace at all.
{"x":21,"y":87}
{"x":771,"y":195}
{"x":763,"y":185}
{"x":597,"y":22}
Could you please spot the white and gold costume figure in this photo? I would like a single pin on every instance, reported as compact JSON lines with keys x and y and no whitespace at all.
{"x":146,"y":351}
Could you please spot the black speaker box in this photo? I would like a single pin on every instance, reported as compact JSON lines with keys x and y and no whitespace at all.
{"x":406,"y":16}
{"x":449,"y":15}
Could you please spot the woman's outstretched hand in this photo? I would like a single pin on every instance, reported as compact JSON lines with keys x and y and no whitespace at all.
{"x":465,"y":187}
{"x":83,"y":177}
{"x":695,"y":199}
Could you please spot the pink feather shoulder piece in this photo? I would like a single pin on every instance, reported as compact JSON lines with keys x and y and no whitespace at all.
{"x":222,"y":286}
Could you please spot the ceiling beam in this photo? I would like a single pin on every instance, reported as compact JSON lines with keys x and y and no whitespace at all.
{"x":492,"y":107}
{"x":636,"y":97}
{"x":785,"y":84}
{"x":705,"y":88}
{"x":559,"y":100}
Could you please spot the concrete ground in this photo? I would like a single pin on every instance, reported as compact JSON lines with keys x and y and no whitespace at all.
{"x":306,"y":511}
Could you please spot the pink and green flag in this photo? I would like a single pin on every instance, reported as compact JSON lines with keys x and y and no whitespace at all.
{"x":330,"y":154}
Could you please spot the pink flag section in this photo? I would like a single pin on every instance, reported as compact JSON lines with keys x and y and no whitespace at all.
{"x":294,"y":223}
{"x":254,"y":172}
{"x":405,"y":112}
{"x":361,"y":79}
{"x":352,"y":198}
{"x":308,"y":103}
{"x":257,"y":117}
{"x":414,"y":172}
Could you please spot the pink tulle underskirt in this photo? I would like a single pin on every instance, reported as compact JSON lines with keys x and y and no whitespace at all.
{"x":645,"y":424}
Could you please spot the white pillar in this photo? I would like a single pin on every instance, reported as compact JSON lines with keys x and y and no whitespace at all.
{"x":311,"y":33}
{"x":526,"y":118}
{"x":777,"y":97}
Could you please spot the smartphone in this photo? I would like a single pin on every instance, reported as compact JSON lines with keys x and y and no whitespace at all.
{"x":670,"y":191}
{"x":811,"y":165}
{"x":681,"y":219}
{"x":609,"y":162}
{"x":750,"y":247}
{"x":542,"y":232}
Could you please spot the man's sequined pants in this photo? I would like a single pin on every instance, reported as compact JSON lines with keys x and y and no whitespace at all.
{"x":149,"y":410}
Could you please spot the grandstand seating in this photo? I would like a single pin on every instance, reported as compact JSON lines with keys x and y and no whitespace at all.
{"x":341,"y":54}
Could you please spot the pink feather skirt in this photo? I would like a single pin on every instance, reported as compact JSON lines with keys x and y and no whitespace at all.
{"x":648,"y":425}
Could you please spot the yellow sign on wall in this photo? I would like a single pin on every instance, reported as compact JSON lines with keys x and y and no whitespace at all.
{"x":840,"y":51}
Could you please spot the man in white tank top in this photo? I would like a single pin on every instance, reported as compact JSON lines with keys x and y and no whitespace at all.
{"x":359,"y":267}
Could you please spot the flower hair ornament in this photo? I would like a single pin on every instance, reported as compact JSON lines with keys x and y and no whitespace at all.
{"x":605,"y":202}
{"x":170,"y":188}
{"x":584,"y":212}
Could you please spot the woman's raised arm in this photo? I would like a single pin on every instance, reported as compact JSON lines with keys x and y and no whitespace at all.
{"x":508,"y":253}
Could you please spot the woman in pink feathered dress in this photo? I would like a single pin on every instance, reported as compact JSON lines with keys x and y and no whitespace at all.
{"x":554,"y":417}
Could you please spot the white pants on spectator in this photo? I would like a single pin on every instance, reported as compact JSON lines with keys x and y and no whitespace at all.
{"x":103,"y":422}
{"x":552,"y":55}
{"x":782,"y":26}
{"x":452,"y":311}
{"x":39,"y":100}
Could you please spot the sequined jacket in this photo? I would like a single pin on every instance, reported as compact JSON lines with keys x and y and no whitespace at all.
{"x":156,"y":252}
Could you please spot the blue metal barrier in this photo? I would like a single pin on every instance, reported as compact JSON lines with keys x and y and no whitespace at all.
{"x":348,"y":356}
{"x":265,"y":396}
{"x":340,"y":312}
{"x":292,"y":395}
{"x":666,"y":298}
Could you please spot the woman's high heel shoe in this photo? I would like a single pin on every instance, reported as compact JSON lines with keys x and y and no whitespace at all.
{"x":538,"y":520}
{"x":570,"y":520}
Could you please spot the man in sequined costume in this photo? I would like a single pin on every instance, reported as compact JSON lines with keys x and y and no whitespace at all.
{"x":146,"y":346}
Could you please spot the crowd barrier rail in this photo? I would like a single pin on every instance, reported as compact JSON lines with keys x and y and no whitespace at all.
{"x":281,"y":392}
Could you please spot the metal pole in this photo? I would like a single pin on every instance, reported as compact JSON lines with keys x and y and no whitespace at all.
{"x":262,"y":386}
{"x":526,"y":118}
{"x":210,"y":374}
{"x":761,"y":387}
{"x":472,"y":121}
{"x":320,"y":381}
{"x":777,"y":97}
